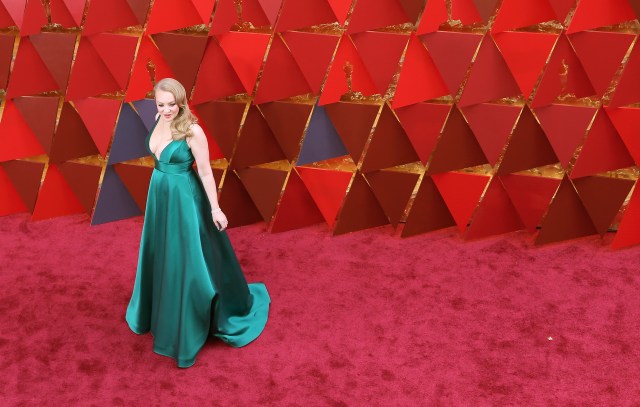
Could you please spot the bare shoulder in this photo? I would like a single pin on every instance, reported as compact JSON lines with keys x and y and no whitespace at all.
{"x":198,"y":139}
{"x":196,"y":131}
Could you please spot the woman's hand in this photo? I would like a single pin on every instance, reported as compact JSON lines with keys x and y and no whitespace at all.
{"x":219,"y":219}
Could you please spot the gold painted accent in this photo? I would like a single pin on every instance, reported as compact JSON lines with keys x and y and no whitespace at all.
{"x":151,"y":69}
{"x":95,"y":160}
{"x":412,"y":168}
{"x":47,"y":9}
{"x":281,"y":165}
{"x":348,"y":73}
{"x":343,"y":163}
{"x":564,"y":76}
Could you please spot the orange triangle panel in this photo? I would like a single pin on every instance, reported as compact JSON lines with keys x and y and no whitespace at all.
{"x":492,"y":124}
{"x":526,"y":54}
{"x":287,"y":122}
{"x":528,"y":147}
{"x":56,"y":198}
{"x":457,"y":148}
{"x":296,"y":209}
{"x":428,"y":212}
{"x":419,"y":78}
{"x":99,"y":117}
{"x":531,"y":196}
{"x":602,"y":151}
{"x":16,"y":137}
{"x":461,"y":192}
{"x":601,"y":54}
{"x":353,"y":122}
{"x":627,"y":234}
{"x":567,"y":217}
{"x":347,"y":63}
{"x":236,"y":202}
{"x":264,"y":186}
{"x":281,"y":76}
{"x":83,"y":180}
{"x":566,"y":127}
{"x":257,"y":144}
{"x":389,"y":144}
{"x":603,"y":211}
{"x":393,"y":190}
{"x":72,"y":140}
{"x":496,"y":214}
{"x":423,"y":123}
{"x":136,"y":179}
{"x":327,"y":188}
{"x":25,"y":177}
{"x":360,"y":209}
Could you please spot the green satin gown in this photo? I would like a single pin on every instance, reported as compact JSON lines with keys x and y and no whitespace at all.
{"x":189,"y":284}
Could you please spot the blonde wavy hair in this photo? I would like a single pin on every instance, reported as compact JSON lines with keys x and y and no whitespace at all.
{"x":181,"y":125}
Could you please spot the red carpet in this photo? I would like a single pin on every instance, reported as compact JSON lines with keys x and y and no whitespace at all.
{"x":365,"y":319}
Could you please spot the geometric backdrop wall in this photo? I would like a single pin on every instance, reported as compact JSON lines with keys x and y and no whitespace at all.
{"x":487,"y":115}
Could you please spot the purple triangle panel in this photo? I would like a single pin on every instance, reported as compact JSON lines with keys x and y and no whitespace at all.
{"x":114,"y":202}
{"x":130,"y":138}
{"x":147,"y":110}
{"x":322,"y":140}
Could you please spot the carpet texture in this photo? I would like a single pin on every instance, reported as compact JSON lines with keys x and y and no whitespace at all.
{"x":365,"y":319}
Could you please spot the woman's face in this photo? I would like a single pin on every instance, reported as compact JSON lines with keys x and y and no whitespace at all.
{"x":166,"y":104}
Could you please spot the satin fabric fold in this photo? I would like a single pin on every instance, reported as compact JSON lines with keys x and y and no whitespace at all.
{"x":189,"y":284}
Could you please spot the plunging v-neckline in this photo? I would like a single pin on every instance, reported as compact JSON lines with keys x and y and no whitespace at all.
{"x":157,"y":156}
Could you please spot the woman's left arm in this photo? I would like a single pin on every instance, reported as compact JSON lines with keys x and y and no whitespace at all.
{"x":200,"y":151}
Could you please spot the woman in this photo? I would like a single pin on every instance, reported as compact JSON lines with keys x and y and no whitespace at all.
{"x":188,"y":282}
